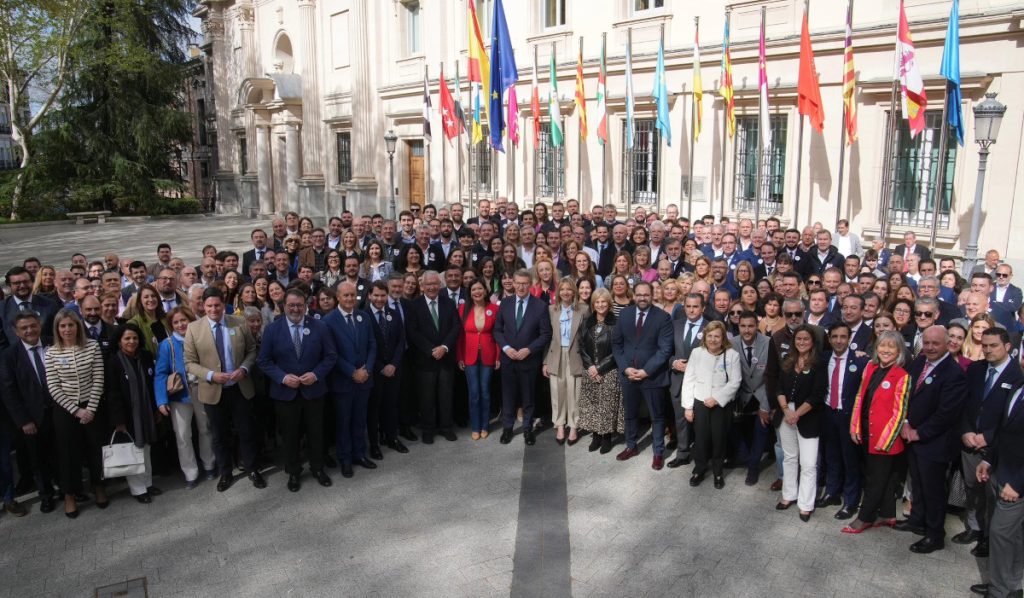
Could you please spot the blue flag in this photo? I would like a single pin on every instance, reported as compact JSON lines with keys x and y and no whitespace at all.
{"x":951,"y":71}
{"x":660,"y":94}
{"x":503,"y":73}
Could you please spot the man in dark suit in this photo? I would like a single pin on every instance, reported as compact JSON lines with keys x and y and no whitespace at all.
{"x":605,"y":250}
{"x":407,"y":403}
{"x":22,"y":299}
{"x":1003,"y":470}
{"x":989,"y":385}
{"x":1004,"y":292}
{"x":687,"y":333}
{"x":642,"y":345}
{"x":139,"y":275}
{"x":297,"y":355}
{"x":95,"y":327}
{"x":432,"y":327}
{"x":825,"y":255}
{"x":352,"y":378}
{"x":842,"y":457}
{"x":749,"y":434}
{"x":933,"y":416}
{"x":382,"y":412}
{"x":522,"y":331}
{"x":853,"y":316}
{"x":28,"y":403}
{"x":910,"y":246}
{"x":801,"y":261}
{"x":453,"y":288}
{"x":258,"y":251}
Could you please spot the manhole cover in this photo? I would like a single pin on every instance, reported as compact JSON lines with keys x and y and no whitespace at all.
{"x":133,"y":588}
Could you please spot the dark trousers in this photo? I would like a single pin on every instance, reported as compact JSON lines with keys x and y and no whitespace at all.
{"x":6,"y":470}
{"x":79,"y":445}
{"x":684,"y":429}
{"x":350,"y":418}
{"x":1006,"y":545}
{"x":408,"y":403}
{"x":233,"y":411}
{"x":882,"y":474}
{"x":977,"y":507}
{"x":460,"y":398}
{"x":38,"y":453}
{"x":749,"y":436}
{"x":632,"y":395}
{"x":435,"y":389}
{"x":929,"y":484}
{"x":709,"y":427}
{"x":842,"y":458}
{"x":296,"y":417}
{"x":382,"y":411}
{"x":518,"y":384}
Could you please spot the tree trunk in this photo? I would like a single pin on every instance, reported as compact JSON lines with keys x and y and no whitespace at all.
{"x":19,"y":186}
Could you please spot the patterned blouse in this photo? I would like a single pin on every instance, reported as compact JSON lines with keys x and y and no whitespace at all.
{"x":74,"y":376}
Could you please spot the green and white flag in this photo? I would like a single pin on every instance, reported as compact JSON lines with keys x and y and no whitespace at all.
{"x":554,"y":112}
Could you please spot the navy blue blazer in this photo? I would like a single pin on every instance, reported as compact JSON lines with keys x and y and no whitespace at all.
{"x":1007,"y":453}
{"x":861,"y":339}
{"x":833,"y":259}
{"x":390,"y":337}
{"x":26,"y":400}
{"x":277,"y":358}
{"x":1011,"y":298}
{"x":935,"y":408}
{"x":533,"y":334}
{"x":981,"y":411}
{"x":44,"y":306}
{"x":422,"y":336}
{"x":650,"y":352}
{"x":854,"y":367}
{"x":356,"y":348}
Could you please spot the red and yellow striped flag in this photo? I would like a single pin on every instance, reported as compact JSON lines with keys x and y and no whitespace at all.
{"x":726,"y":88}
{"x":581,"y":96}
{"x":849,"y":80}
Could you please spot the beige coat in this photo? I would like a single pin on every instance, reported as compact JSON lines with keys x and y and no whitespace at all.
{"x":553,"y":357}
{"x":201,"y":356}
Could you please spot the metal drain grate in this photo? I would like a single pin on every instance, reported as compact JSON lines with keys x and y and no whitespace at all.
{"x":133,"y":588}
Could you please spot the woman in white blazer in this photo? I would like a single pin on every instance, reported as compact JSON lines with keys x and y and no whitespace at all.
{"x":713,"y":377}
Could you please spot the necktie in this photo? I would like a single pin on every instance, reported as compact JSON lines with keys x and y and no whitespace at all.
{"x":833,"y":399}
{"x":94,"y":333}
{"x":989,"y":380}
{"x":25,"y":306}
{"x":380,"y":318}
{"x":168,"y":305}
{"x":433,"y":314}
{"x":219,"y":340}
{"x":259,"y":255}
{"x":351,"y":324}
{"x":455,"y":296}
{"x":520,"y":304}
{"x":639,"y":324}
{"x":297,"y":340}
{"x":398,"y":309}
{"x":689,"y":333}
{"x":37,"y":356}
{"x":750,"y":355}
{"x":924,"y":374}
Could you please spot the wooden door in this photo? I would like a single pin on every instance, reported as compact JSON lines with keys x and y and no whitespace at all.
{"x":417,"y":173}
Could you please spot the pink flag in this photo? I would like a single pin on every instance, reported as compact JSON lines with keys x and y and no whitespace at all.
{"x":513,"y":116}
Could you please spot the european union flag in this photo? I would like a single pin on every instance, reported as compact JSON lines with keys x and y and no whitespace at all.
{"x":951,"y":71}
{"x":503,"y":73}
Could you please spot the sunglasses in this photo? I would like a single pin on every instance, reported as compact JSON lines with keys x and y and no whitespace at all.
{"x":813,"y":282}
{"x":923,"y":314}
{"x":998,"y":275}
{"x":794,"y":314}
{"x":735,"y":313}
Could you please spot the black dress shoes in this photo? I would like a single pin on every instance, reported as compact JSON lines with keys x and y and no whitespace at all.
{"x":966,"y":537}
{"x":397,"y":446}
{"x":751,"y":479}
{"x":529,"y":438}
{"x":696,"y":479}
{"x":906,"y":526}
{"x":449,"y":435}
{"x":365,"y":463}
{"x":926,"y":546}
{"x":144,"y":498}
{"x":829,"y":500}
{"x":606,"y":444}
{"x":257,"y":479}
{"x":428,"y":438}
{"x":719,"y":482}
{"x":845,"y":513}
{"x":225,"y":482}
{"x":46,"y":505}
{"x":346,"y":470}
{"x":980,"y":589}
{"x":506,"y":436}
{"x":375,"y":453}
{"x":678,"y":462}
{"x":293,"y":483}
{"x":322,"y":478}
{"x":981,"y":550}
{"x":595,"y":443}
{"x":407,"y":433}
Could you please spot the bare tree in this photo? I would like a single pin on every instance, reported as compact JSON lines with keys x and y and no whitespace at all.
{"x":36,"y":37}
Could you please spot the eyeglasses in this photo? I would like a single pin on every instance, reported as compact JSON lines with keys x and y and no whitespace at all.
{"x":999,"y":275}
{"x":923,"y":314}
{"x":813,"y":282}
{"x":735,"y":313}
{"x":794,"y":314}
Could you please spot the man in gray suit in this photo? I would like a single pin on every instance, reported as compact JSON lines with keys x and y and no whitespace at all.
{"x":687,"y":334}
{"x":749,"y":433}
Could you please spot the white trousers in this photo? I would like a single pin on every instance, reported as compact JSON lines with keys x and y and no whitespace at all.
{"x":181,"y":419}
{"x":139,"y":483}
{"x":799,"y":467}
{"x":565,"y":393}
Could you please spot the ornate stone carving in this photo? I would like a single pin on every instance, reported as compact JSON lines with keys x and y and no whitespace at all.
{"x":246,"y":14}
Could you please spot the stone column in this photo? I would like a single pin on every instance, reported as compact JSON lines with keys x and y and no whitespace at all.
{"x":293,"y":161}
{"x":367,"y":137}
{"x":312,"y":122}
{"x":264,"y":170}
{"x":246,"y":22}
{"x":213,"y":31}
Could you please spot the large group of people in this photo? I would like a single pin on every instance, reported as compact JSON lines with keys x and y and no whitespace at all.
{"x":876,"y":377}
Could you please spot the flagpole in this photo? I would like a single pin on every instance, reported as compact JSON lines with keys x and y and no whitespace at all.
{"x":725,"y":132}
{"x":444,"y":151}
{"x":891,"y":142}
{"x":458,"y":145}
{"x":800,"y":144}
{"x":940,"y":179}
{"x":536,"y":120}
{"x":512,"y":153}
{"x":693,"y":123}
{"x":579,"y":142}
{"x":661,"y":153}
{"x":682,"y":182}
{"x":760,"y":141}
{"x":426,"y":145}
{"x":469,"y":150}
{"x":842,"y":162}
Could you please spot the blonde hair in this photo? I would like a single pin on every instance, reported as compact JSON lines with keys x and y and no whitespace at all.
{"x":67,"y":314}
{"x":711,"y":327}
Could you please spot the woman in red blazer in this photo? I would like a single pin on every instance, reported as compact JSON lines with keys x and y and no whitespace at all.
{"x":477,"y":353}
{"x":878,"y":415}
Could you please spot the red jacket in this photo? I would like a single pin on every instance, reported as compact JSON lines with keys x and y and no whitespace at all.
{"x":888,"y":410}
{"x":475,"y":343}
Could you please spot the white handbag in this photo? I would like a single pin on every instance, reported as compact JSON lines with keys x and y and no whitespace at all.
{"x":123,"y":458}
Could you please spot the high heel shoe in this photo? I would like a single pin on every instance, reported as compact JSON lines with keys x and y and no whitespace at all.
{"x":71,"y":514}
{"x":850,"y":529}
{"x":570,"y":440}
{"x":805,"y":517}
{"x":783,"y":505}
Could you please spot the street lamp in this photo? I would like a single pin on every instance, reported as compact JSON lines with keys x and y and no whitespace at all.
{"x":988,"y":115}
{"x":390,"y":140}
